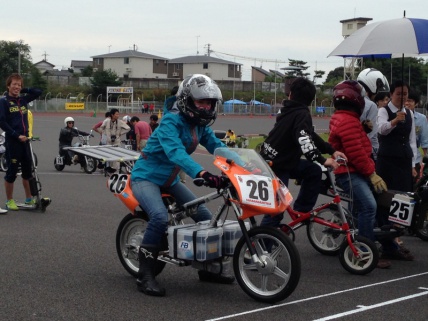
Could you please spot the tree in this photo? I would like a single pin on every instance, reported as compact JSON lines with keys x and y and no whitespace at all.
{"x":14,"y":56}
{"x":87,"y":71}
{"x":37,"y":80}
{"x":334,"y":77}
{"x":102,"y":79}
{"x":414,"y":71}
{"x":318,"y":74}
{"x":299,"y":66}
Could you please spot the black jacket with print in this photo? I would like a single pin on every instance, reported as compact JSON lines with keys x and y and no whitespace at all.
{"x":293,"y":136}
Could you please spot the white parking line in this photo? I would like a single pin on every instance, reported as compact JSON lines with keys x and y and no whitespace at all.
{"x":317,"y":297}
{"x":362,"y":308}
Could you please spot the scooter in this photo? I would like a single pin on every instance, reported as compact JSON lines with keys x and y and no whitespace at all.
{"x":88,"y":164}
{"x":35,"y":187}
{"x":265,"y":261}
{"x":3,"y":163}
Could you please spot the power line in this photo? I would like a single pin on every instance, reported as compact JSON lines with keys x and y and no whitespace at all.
{"x":249,"y":58}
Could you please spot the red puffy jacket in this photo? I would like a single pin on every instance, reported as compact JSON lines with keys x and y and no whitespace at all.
{"x":348,"y":136}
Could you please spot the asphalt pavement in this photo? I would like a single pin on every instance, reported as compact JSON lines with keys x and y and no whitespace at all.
{"x":62,"y":264}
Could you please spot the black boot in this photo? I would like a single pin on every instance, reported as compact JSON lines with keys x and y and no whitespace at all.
{"x":146,"y":279}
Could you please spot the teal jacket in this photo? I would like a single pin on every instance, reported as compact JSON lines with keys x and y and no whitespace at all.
{"x":169,"y":148}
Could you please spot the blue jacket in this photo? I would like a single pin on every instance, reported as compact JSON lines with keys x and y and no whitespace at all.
{"x":168,"y":150}
{"x":13,"y":112}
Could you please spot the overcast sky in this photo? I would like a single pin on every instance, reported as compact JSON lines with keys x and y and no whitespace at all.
{"x":246,"y":32}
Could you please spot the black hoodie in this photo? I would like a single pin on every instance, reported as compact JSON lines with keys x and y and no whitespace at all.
{"x":293,"y":136}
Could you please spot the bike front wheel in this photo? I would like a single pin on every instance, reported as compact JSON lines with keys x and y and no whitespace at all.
{"x":90,"y":165}
{"x":325,"y":239}
{"x":3,"y":163}
{"x":278,"y":274}
{"x":367,"y":259}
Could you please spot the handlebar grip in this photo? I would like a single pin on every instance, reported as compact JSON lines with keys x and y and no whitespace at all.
{"x":199,"y":181}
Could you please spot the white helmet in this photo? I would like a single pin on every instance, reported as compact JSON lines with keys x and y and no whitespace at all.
{"x":196,"y":87}
{"x":67,"y":119}
{"x":373,"y":81}
{"x":126,"y":119}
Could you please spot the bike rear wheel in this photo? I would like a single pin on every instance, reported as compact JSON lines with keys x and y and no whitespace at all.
{"x":58,"y":167}
{"x":129,"y":236}
{"x":422,"y":222}
{"x":368,"y":256}
{"x":280,"y":273}
{"x":324,"y":239}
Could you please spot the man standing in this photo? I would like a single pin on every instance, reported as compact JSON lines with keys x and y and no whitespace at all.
{"x":14,"y":121}
{"x":373,"y":82}
{"x":291,"y":137}
{"x":142,"y":132}
{"x":421,"y":129}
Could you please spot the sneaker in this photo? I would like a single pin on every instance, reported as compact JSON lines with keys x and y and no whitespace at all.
{"x":31,"y":202}
{"x":3,"y":211}
{"x":11,"y":205}
{"x":398,"y":255}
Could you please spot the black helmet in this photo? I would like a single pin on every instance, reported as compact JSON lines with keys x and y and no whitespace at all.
{"x":198,"y":87}
{"x":349,"y":93}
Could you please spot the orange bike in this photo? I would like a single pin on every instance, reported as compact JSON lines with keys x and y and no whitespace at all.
{"x":265,"y":261}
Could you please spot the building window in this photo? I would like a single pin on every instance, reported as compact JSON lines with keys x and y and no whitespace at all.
{"x":125,"y":76}
{"x":205,"y":65}
{"x":177,"y":66}
{"x":126,"y":60}
{"x":157,"y":61}
{"x":350,"y":26}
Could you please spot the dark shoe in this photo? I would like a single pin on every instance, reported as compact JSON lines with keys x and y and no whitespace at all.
{"x":404,"y":249}
{"x":398,"y":255}
{"x":146,"y":281}
{"x":383,"y":264}
{"x":206,"y":276}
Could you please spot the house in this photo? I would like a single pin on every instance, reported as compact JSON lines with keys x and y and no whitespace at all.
{"x":132,"y":64}
{"x":60,"y":77}
{"x":215,"y":68}
{"x":259,"y":74}
{"x":78,"y":65}
{"x":44,"y":66}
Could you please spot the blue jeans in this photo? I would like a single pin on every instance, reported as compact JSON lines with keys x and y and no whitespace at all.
{"x":310,"y":175}
{"x":149,"y":197}
{"x":364,"y":203}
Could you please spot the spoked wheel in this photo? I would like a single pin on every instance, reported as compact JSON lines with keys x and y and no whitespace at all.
{"x":279,"y":272}
{"x":325,"y":239}
{"x":90,"y":165}
{"x":367,"y":259}
{"x":3,"y":162}
{"x":422,"y":222}
{"x":58,"y":167}
{"x":129,"y":236}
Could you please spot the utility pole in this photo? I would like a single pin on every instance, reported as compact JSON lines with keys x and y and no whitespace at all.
{"x":197,"y":45}
{"x":45,"y":56}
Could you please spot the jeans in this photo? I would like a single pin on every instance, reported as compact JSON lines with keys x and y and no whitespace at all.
{"x":364,"y":204}
{"x":149,"y":197}
{"x":310,"y":175}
